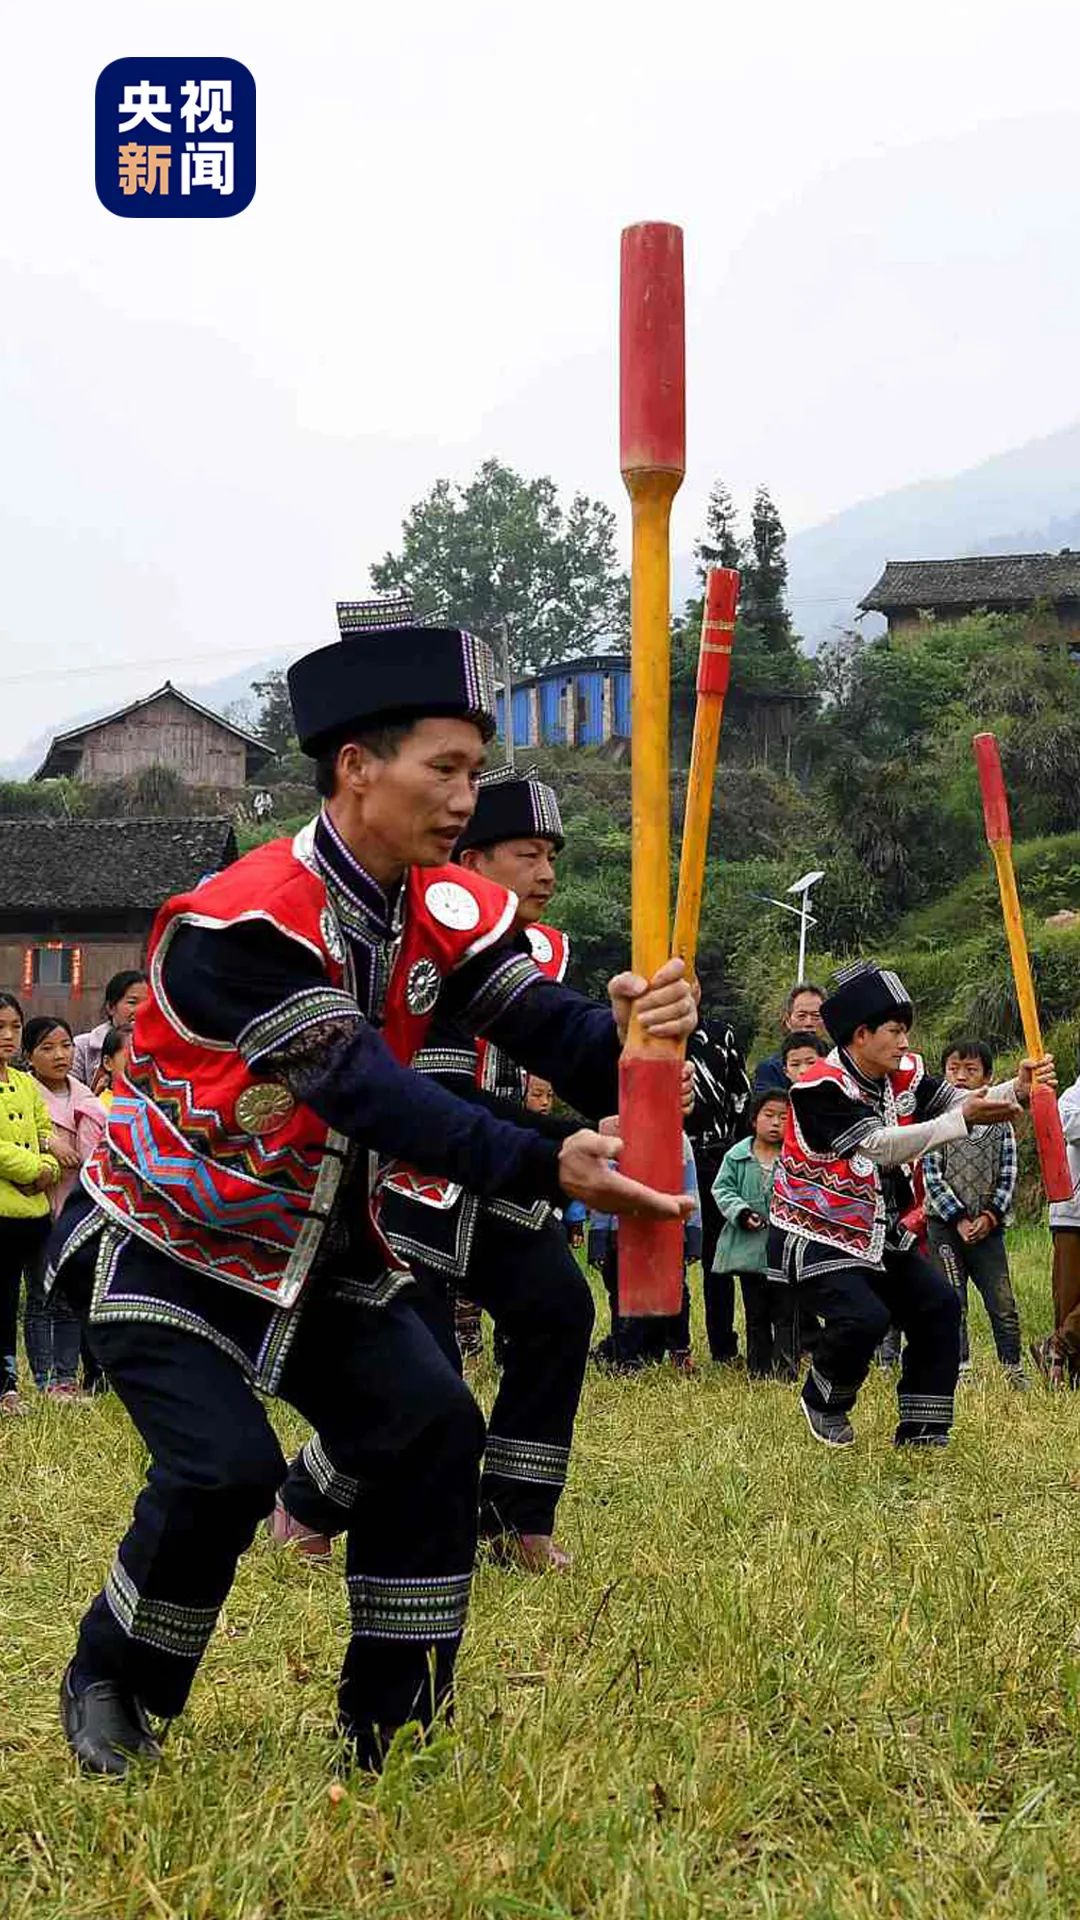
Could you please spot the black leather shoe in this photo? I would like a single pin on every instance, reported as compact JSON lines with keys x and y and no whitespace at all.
{"x":104,"y":1727}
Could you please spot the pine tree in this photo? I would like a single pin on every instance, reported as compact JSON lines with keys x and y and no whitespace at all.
{"x":720,"y":545}
{"x":764,"y":577}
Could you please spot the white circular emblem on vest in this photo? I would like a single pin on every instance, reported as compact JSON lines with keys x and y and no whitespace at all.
{"x":422,"y":986}
{"x":542,"y":949}
{"x":331,"y":935}
{"x":452,"y":906}
{"x":861,"y":1164}
{"x":905,"y":1102}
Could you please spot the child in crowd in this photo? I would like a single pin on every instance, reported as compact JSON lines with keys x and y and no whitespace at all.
{"x":53,"y":1332}
{"x":114,"y":1057}
{"x":802,"y":1014}
{"x":741,"y":1191}
{"x":636,"y":1342}
{"x":798,"y":1051}
{"x":124,"y":995}
{"x":28,"y":1169}
{"x":970,"y":1185}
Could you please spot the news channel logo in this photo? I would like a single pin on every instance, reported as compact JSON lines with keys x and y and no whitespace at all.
{"x":175,"y":139}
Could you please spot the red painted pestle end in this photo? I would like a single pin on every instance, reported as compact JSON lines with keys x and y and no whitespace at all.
{"x":992,"y":787}
{"x":718,"y":630}
{"x":652,"y":350}
{"x":1050,"y":1141}
{"x":650,"y":1122}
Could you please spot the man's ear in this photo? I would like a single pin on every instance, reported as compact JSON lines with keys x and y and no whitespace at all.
{"x":354,"y":766}
{"x":469,"y":858}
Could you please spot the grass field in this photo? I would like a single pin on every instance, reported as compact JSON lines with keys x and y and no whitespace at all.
{"x":778,"y":1682}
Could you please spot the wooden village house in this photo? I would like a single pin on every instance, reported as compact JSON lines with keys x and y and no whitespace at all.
{"x":1048,"y":583}
{"x":79,"y":899}
{"x":166,"y":729}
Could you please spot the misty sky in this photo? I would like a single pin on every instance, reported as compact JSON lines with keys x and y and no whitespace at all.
{"x":208,"y":430}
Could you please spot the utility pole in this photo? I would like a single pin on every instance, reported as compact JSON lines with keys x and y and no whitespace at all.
{"x":508,"y":695}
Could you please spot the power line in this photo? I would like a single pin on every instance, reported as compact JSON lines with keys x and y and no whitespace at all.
{"x":122,"y":666}
{"x":253,"y":653}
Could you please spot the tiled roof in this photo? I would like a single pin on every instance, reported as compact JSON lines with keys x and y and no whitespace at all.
{"x":108,"y":866}
{"x":987,"y":580}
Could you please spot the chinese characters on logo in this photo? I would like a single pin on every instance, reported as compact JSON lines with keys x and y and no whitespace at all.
{"x":175,"y":138}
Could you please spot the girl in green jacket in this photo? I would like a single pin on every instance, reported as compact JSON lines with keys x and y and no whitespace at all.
{"x":27,"y":1171}
{"x":741,"y":1191}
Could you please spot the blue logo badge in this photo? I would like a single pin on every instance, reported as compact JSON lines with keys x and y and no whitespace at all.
{"x":175,"y":139}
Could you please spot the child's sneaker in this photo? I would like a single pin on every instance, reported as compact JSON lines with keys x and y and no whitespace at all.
{"x":1016,"y":1378}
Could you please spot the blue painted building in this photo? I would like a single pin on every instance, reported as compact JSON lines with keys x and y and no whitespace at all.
{"x":576,"y":703}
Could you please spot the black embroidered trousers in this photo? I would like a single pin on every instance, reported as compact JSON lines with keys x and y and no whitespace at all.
{"x":540,"y":1302}
{"x":405,"y":1436}
{"x":856,"y":1306}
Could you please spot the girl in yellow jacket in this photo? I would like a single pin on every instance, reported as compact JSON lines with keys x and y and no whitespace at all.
{"x":27,"y":1171}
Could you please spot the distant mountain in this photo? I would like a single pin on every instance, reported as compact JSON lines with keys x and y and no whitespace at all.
{"x":1023,"y":501}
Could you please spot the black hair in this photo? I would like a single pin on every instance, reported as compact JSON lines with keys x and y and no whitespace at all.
{"x":116,"y":988}
{"x":35,"y":1030}
{"x":968,"y":1050}
{"x":114,"y":1042}
{"x":804,"y":986}
{"x":762,"y":1098}
{"x":9,"y":1000}
{"x":384,"y":742}
{"x":803,"y":1038}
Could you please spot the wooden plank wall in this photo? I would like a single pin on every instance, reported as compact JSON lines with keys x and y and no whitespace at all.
{"x":101,"y":959}
{"x":165,"y":734}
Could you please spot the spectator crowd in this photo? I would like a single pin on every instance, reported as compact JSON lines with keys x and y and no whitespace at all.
{"x":56,"y":1087}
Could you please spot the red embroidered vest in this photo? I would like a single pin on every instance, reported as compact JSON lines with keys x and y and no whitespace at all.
{"x":551,"y":955}
{"x":838,"y":1199}
{"x":225,"y":1171}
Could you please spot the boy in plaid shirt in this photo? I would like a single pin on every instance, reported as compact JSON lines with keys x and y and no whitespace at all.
{"x":970,"y":1185}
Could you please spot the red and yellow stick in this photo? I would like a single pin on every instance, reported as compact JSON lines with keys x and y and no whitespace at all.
{"x":652,"y":440}
{"x":1045,"y":1119}
{"x":713,"y":674}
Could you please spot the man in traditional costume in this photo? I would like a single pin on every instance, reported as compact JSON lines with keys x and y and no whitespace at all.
{"x":224,"y":1243}
{"x":510,"y":1258}
{"x":840,"y":1218}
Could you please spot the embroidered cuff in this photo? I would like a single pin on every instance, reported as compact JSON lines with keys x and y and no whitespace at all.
{"x":269,"y":1032}
{"x":846,"y":1143}
{"x":513,"y":977}
{"x":445,"y":1060}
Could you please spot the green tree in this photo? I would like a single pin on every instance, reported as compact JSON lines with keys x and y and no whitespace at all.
{"x":273,"y":716}
{"x":720,"y":544}
{"x":764,"y":577}
{"x":765,"y":659}
{"x":503,"y":547}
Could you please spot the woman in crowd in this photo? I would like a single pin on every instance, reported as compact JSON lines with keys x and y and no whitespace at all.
{"x":27,"y":1172}
{"x":114,"y":1053}
{"x":123,"y":994}
{"x":53,"y":1332}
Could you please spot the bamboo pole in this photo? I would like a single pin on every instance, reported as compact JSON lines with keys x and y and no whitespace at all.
{"x":1045,"y":1119}
{"x":652,"y":434}
{"x":713,"y":674}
